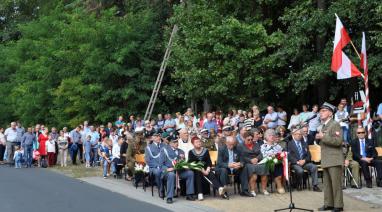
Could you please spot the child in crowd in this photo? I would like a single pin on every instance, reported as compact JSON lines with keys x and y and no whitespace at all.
{"x":105,"y":150}
{"x":87,"y":149}
{"x":17,"y":157}
{"x":51,"y":150}
{"x":63,"y":145}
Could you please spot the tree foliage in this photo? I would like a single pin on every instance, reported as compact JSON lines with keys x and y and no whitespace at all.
{"x":64,"y":61}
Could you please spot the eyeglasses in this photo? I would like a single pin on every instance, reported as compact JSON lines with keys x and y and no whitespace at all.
{"x":250,"y":139}
{"x":360,"y":132}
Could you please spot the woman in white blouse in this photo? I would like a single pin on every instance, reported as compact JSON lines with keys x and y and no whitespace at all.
{"x":294,"y":119}
{"x":271,"y":149}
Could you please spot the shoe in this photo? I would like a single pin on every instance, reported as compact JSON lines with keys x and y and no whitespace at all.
{"x":200,"y":197}
{"x":317,"y":189}
{"x":281,"y":191}
{"x":369,"y":184}
{"x":379,"y":183}
{"x":169,"y":201}
{"x":337,"y":209}
{"x":104,"y":177}
{"x":190,"y":198}
{"x":246,"y":194}
{"x":265,"y":192}
{"x":253,"y":193}
{"x":225,"y":196}
{"x":354,"y":186}
{"x":221,"y":191}
{"x":326,"y":208}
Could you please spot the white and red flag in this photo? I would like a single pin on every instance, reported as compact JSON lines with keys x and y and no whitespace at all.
{"x":341,"y":64}
{"x":366,"y":73}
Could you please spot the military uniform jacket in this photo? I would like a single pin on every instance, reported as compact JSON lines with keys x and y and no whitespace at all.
{"x":167,"y":155}
{"x":152,"y":155}
{"x":331,"y":145}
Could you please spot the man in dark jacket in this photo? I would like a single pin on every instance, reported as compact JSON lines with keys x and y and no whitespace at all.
{"x":228,"y":161}
{"x":364,"y":153}
{"x":300,"y":159}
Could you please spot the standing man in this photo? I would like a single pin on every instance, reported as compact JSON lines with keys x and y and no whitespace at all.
{"x":313,"y":124}
{"x":332,"y":159}
{"x":27,"y":144}
{"x":94,"y":145}
{"x":11,"y":136}
{"x":211,"y":125}
{"x":75,"y":137}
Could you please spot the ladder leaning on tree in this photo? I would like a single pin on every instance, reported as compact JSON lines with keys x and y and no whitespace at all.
{"x":162,"y":70}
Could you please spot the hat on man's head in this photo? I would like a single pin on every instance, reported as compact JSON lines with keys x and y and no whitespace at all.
{"x":204,"y":131}
{"x":328,"y":106}
{"x":139,"y":129}
{"x":157,"y":132}
{"x":227,"y":128}
{"x":165,"y":135}
{"x":173,"y":138}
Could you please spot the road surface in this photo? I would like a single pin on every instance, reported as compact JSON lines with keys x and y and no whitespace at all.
{"x":39,"y":190}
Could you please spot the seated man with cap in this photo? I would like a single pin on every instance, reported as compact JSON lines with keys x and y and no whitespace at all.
{"x":207,"y":141}
{"x":152,"y":156}
{"x":170,"y":153}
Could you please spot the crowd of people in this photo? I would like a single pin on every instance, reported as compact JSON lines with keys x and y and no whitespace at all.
{"x":242,"y":138}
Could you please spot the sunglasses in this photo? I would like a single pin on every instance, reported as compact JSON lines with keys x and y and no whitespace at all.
{"x":360,"y":132}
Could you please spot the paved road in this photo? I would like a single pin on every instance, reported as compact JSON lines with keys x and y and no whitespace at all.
{"x":39,"y":190}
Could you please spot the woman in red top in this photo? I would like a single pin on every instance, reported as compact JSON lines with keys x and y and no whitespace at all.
{"x":42,"y":138}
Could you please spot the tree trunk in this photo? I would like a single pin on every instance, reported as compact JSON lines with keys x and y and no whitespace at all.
{"x":206,"y":105}
{"x":323,"y":84}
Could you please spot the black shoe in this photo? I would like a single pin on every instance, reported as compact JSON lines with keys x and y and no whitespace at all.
{"x":246,"y":194}
{"x":225,"y":196}
{"x":337,"y":209}
{"x":316,"y":189}
{"x":379,"y":183}
{"x":326,"y":208}
{"x":190,"y":198}
{"x":369,"y":184}
{"x":354,"y":186}
{"x":169,"y":201}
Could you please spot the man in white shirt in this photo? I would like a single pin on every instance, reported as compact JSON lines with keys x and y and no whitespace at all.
{"x":11,"y":141}
{"x":185,"y":142}
{"x":270,"y":120}
{"x":282,"y":116}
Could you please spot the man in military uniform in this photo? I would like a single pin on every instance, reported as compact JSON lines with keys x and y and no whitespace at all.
{"x":207,"y":141}
{"x":332,"y":159}
{"x":170,"y":153}
{"x":136,"y":145}
{"x":152,"y":155}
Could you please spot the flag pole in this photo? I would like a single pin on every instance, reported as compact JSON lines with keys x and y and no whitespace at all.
{"x":359,"y":56}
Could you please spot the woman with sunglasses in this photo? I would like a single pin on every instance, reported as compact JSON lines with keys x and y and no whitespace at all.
{"x":251,"y":156}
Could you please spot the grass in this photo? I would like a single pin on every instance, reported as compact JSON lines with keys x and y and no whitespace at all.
{"x":78,"y":171}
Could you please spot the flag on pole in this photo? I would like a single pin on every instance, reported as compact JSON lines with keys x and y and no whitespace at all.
{"x":285,"y":166}
{"x":341,"y":64}
{"x":366,"y":73}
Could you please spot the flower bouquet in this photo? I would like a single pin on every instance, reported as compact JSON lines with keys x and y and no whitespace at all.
{"x":270,"y":162}
{"x":140,"y":168}
{"x":183,"y":164}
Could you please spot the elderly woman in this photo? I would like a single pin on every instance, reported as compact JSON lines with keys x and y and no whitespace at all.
{"x":250,"y":157}
{"x":269,"y":149}
{"x":201,"y":154}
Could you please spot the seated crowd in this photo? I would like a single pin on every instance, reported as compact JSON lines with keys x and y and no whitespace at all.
{"x":242,"y":140}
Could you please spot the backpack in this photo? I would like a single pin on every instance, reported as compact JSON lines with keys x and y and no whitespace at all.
{"x":44,"y":164}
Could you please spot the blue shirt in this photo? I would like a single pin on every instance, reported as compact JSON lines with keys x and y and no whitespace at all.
{"x":28,"y":139}
{"x":75,"y":136}
{"x":239,"y":140}
{"x":211,"y":125}
{"x":94,"y":138}
{"x":170,"y":122}
{"x":273,"y":120}
{"x":87,"y":146}
{"x":152,"y":155}
{"x":379,"y":111}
